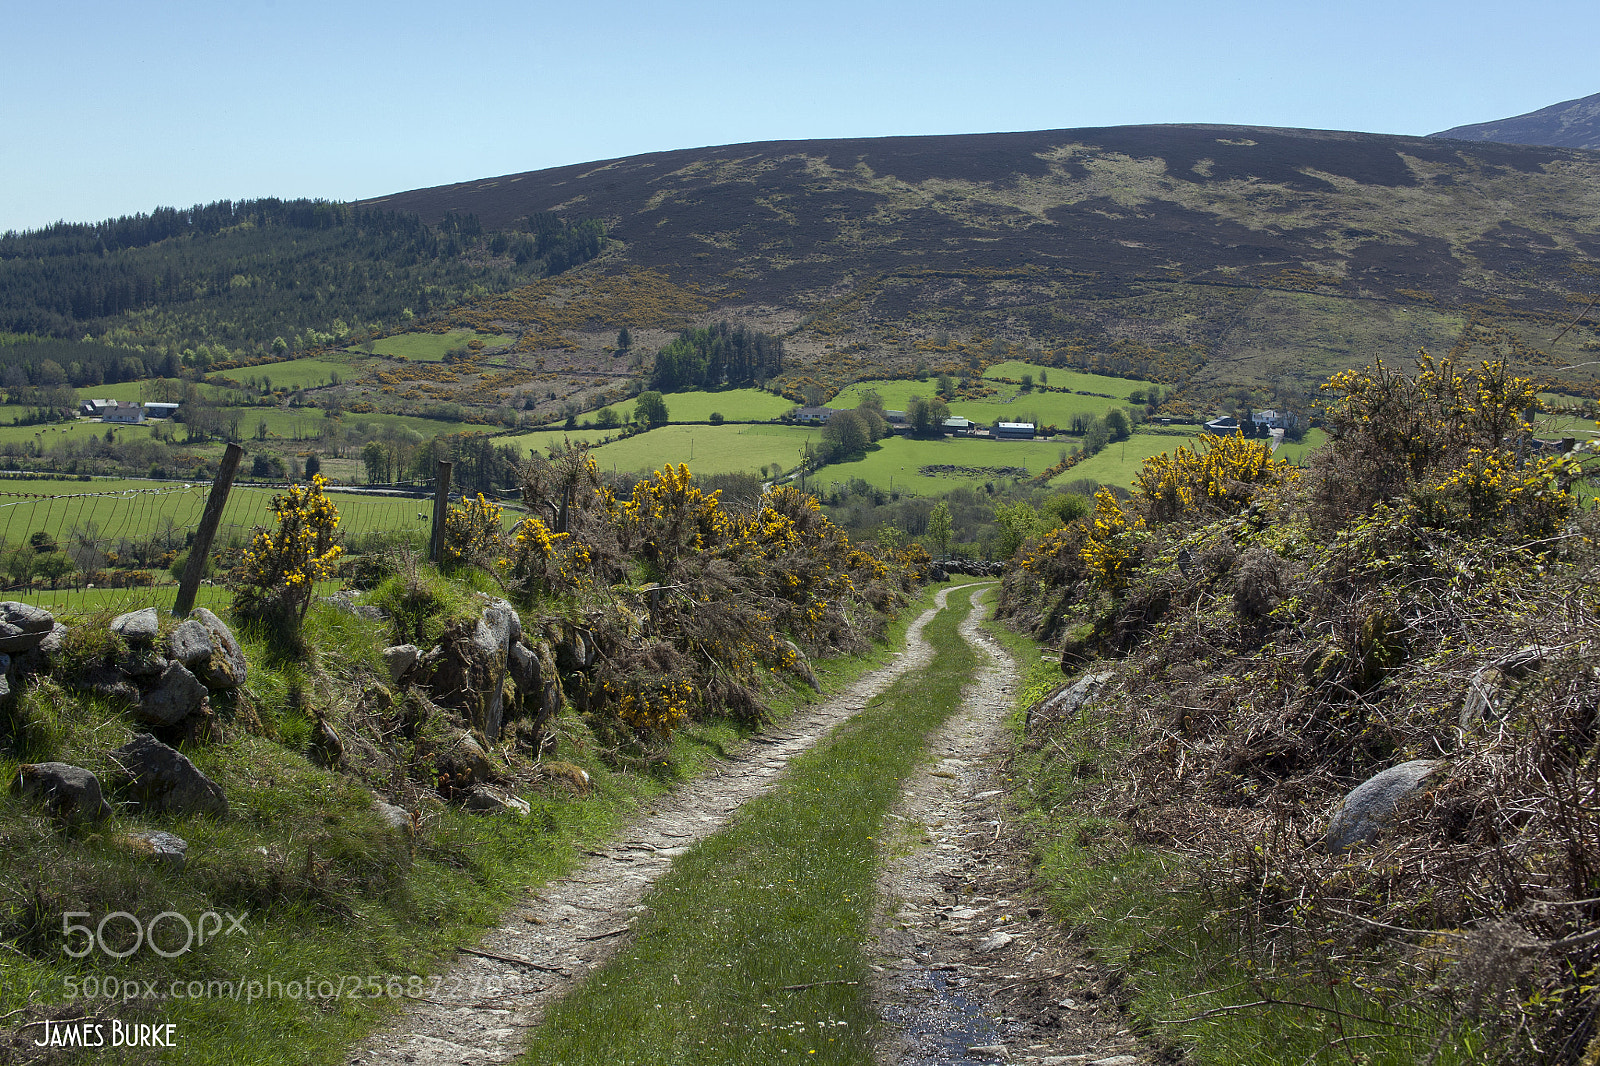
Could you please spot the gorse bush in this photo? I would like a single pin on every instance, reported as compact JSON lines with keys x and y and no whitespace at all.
{"x":282,"y":566}
{"x":1425,"y":588}
{"x":687,"y":605}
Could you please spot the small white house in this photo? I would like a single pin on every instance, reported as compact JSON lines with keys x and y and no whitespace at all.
{"x":817,"y":415}
{"x":128,"y":414}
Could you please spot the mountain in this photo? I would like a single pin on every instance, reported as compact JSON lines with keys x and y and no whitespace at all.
{"x":1212,"y":257}
{"x":1570,"y":124}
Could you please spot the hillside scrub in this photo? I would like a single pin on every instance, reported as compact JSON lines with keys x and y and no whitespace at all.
{"x":1267,"y":638}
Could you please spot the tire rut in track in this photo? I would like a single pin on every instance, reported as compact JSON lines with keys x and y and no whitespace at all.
{"x":481,"y":1008}
{"x":969,"y":968}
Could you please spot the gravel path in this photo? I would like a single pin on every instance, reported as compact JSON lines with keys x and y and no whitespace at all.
{"x":480,"y":1010}
{"x":969,"y":969}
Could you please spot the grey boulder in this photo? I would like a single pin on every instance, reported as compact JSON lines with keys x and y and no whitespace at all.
{"x":137,"y":627}
{"x":490,"y":799}
{"x":162,"y":780}
{"x":393,"y":817}
{"x":1371,"y":804}
{"x":176,"y":696}
{"x":23,"y":626}
{"x":167,"y":848}
{"x":1066,"y":701}
{"x":226,"y":667}
{"x":68,"y":792}
{"x":400,"y":659}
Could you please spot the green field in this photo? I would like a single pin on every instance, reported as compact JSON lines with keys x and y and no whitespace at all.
{"x":137,"y":510}
{"x":1554,"y":427}
{"x":1009,"y":404}
{"x":895,"y":463}
{"x":300,"y":373}
{"x":430,"y":347}
{"x":1066,"y":379}
{"x":1120,"y":461}
{"x":744,"y":405}
{"x":83,"y":428}
{"x":705,"y":449}
{"x":1296,"y":453}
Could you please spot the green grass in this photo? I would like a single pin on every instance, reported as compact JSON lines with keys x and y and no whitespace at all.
{"x":308,"y":372}
{"x":137,"y":510}
{"x":782,"y":896}
{"x":745,"y":405}
{"x":1120,"y":461}
{"x":1009,"y":404}
{"x":705,"y":449}
{"x":1296,"y":453}
{"x":895,"y":462}
{"x":430,"y":347}
{"x":1078,"y":380}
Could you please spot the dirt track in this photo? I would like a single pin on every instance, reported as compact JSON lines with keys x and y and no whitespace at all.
{"x":949,"y":885}
{"x":969,"y":969}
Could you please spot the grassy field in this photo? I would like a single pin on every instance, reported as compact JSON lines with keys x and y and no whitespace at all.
{"x":895,"y":462}
{"x":1555,"y":427}
{"x":301,"y":373}
{"x":81,"y":429}
{"x":1120,"y":461}
{"x":706,"y":449}
{"x":1314,"y":439}
{"x":1065,"y":379}
{"x":1009,"y":404}
{"x":430,"y":347}
{"x":738,"y":404}
{"x":136,"y":510}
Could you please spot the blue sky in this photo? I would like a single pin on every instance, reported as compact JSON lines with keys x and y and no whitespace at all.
{"x":109,"y":108}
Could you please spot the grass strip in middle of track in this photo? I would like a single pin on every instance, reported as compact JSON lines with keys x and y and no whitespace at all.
{"x":753,"y":946}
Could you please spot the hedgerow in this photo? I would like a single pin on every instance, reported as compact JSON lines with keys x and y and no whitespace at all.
{"x":1424,"y":589}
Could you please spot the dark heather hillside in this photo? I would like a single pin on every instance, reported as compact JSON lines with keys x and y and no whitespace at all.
{"x":1569,"y":124}
{"x":1206,"y":256}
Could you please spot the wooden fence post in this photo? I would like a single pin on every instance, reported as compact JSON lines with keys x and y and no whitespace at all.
{"x":200,"y":550}
{"x":441,"y":502}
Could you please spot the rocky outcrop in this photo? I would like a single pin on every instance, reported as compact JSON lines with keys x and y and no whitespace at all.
{"x":160,"y":779}
{"x":68,"y":792}
{"x":225,"y":667}
{"x":400,"y":659}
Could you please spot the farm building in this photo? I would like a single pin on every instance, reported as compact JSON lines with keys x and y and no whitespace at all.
{"x":959,"y":426}
{"x":126,"y":413}
{"x":95,"y":408}
{"x":1225,"y":426}
{"x":160,"y":410}
{"x":1013,"y":431}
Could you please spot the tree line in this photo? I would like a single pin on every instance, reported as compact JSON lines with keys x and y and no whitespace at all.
{"x":717,"y":356}
{"x":248,"y":273}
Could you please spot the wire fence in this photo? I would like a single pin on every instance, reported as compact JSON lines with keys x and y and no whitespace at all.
{"x":122,"y":547}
